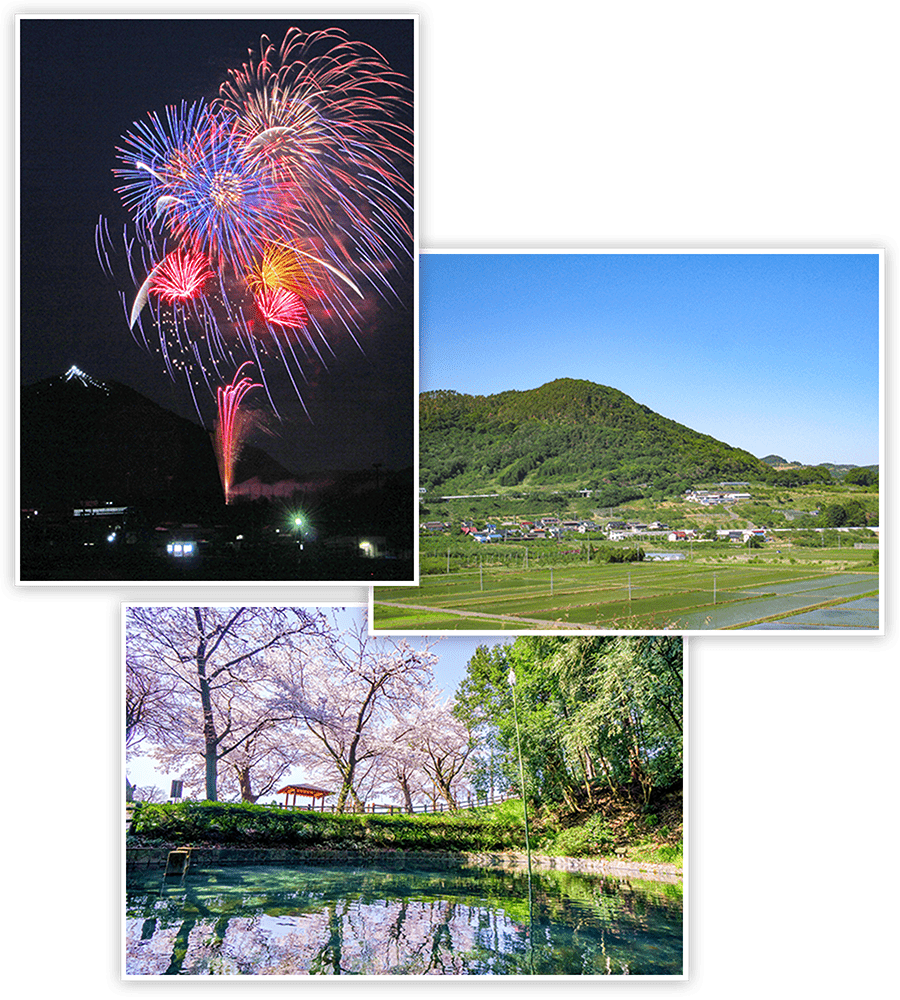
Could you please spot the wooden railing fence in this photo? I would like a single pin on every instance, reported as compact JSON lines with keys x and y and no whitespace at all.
{"x":471,"y":802}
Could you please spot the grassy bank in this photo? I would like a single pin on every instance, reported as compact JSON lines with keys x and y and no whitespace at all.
{"x":617,"y":828}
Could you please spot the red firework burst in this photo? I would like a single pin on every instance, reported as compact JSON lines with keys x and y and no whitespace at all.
{"x":281,"y":306}
{"x":180,"y":276}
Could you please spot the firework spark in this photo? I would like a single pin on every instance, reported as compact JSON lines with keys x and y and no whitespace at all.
{"x":281,"y":306}
{"x":179,"y":276}
{"x":319,"y":116}
{"x":263,"y":220}
{"x":233,"y":426}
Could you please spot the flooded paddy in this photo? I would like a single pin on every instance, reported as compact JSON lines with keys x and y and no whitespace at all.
{"x":644,"y":596}
{"x":794,"y":596}
{"x":854,"y":614}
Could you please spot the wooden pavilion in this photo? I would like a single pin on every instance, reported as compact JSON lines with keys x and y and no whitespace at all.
{"x":304,"y":791}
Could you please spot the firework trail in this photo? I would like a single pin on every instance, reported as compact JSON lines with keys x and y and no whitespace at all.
{"x":232,"y":426}
{"x":269,"y":216}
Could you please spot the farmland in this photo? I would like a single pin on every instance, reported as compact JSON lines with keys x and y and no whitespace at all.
{"x":716,"y":588}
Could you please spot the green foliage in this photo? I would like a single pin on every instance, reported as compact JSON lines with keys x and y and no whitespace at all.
{"x":590,"y":708}
{"x":863,"y":476}
{"x":850,"y":512}
{"x":566,"y":432}
{"x":439,"y":554}
{"x":241,"y":824}
{"x":802,"y":475}
{"x":593,"y":838}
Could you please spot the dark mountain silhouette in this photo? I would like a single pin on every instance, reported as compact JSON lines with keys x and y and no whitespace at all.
{"x":84,"y":440}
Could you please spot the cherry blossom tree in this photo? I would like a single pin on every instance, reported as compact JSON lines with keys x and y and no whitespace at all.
{"x":446,"y":744}
{"x":401,"y":762}
{"x":146,"y":698}
{"x":347,"y":689}
{"x":148,"y":793}
{"x":221,"y":702}
{"x":427,"y":750}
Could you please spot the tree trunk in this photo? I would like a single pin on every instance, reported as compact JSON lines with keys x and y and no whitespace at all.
{"x":407,"y":797}
{"x":347,"y":791}
{"x":246,"y":783}
{"x":444,"y":787}
{"x":211,"y":740}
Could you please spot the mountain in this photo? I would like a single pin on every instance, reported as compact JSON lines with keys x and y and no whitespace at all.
{"x":569,"y":431}
{"x":82,"y":440}
{"x":835,"y":470}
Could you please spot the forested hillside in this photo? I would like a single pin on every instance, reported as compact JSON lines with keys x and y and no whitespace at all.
{"x":567,"y":430}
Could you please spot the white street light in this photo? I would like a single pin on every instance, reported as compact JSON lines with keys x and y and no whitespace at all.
{"x":511,"y":677}
{"x":512,"y":683}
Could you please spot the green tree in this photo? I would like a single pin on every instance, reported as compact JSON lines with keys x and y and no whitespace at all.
{"x":862,"y":477}
{"x":592,"y":710}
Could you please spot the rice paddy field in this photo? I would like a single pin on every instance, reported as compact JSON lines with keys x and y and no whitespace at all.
{"x":722,"y":593}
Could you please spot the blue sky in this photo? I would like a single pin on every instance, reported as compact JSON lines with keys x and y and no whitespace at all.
{"x":774,"y":353}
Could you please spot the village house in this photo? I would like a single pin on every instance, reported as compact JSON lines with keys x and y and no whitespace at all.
{"x":710,"y":498}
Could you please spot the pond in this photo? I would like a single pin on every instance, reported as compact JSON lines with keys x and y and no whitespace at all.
{"x":312,"y":920}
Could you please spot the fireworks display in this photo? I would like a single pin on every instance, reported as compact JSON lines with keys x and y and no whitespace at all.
{"x":266,"y":218}
{"x":232,"y":426}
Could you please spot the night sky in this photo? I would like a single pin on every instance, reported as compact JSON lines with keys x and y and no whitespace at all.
{"x":83,"y":85}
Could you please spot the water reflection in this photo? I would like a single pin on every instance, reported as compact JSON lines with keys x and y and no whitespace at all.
{"x":330,"y":921}
{"x":788,"y":596}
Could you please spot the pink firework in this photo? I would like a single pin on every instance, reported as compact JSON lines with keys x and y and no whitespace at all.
{"x":233,"y":426}
{"x":273,"y":215}
{"x":180,"y":276}
{"x":281,"y":306}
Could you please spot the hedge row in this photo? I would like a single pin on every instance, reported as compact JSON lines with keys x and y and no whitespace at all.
{"x":249,"y":825}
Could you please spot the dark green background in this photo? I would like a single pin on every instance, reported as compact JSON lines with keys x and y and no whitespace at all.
{"x":592,"y":118}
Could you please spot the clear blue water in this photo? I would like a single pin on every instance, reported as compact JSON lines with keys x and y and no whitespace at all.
{"x":287,"y":921}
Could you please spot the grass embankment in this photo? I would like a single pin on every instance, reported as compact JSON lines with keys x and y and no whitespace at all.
{"x":616,"y":828}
